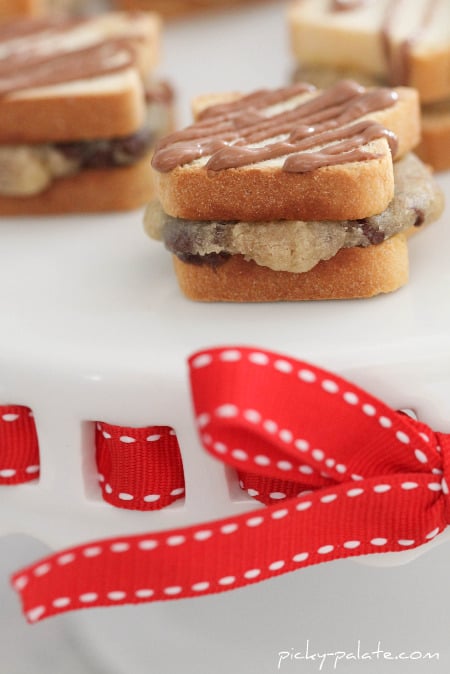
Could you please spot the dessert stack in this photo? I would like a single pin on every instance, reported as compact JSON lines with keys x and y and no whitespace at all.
{"x":293,"y":193}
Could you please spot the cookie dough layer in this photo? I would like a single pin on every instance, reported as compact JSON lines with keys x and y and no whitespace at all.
{"x":296,"y":246}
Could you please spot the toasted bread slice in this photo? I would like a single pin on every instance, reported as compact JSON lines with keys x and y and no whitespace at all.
{"x":408,"y":43}
{"x":264,"y":190}
{"x":352,"y":273}
{"x":89,"y":83}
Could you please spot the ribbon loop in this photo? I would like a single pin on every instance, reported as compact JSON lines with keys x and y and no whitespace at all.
{"x":287,"y":411}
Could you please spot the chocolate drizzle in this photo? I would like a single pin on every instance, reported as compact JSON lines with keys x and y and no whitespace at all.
{"x":34,"y":53}
{"x":107,"y":57}
{"x":326,"y":129}
{"x":398,"y":59}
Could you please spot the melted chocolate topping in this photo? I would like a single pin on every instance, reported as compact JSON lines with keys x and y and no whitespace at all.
{"x":33,"y":54}
{"x":241,"y":133}
{"x":397,"y":60}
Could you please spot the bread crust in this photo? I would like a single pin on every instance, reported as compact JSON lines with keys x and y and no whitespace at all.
{"x":430,"y":74}
{"x":90,"y":191}
{"x":341,"y":192}
{"x":434,"y":148}
{"x":352,"y":273}
{"x":66,"y":118}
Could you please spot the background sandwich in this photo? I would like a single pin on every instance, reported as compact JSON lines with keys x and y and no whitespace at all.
{"x":382,"y":42}
{"x":291,"y":194}
{"x":80,"y":112}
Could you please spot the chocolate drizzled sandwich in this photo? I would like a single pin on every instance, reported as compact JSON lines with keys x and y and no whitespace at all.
{"x":80,"y":112}
{"x":381,"y":42}
{"x":293,"y":193}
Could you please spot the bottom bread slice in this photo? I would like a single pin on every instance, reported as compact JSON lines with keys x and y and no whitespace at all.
{"x":352,"y":273}
{"x":90,"y":191}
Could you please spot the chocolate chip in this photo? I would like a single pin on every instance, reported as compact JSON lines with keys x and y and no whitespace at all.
{"x":372,"y":234}
{"x":211,"y":259}
{"x":420,"y":217}
{"x":99,"y":155}
{"x":74,"y":150}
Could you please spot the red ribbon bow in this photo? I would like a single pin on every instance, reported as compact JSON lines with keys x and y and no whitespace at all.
{"x":367,"y":479}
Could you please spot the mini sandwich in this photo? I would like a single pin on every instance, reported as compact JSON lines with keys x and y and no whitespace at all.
{"x":80,"y":113}
{"x":293,"y":194}
{"x":381,"y":42}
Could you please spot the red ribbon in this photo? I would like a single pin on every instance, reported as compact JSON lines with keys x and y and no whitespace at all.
{"x":366,"y":479}
{"x":138,"y":468}
{"x":19,"y":449}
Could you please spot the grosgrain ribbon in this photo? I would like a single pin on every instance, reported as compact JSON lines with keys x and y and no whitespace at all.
{"x":369,"y":479}
{"x":139,"y":468}
{"x":19,"y":448}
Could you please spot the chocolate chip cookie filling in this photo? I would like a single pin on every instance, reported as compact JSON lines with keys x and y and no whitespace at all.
{"x":297,"y":246}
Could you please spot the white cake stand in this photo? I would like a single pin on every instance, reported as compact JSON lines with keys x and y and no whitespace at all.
{"x":94,"y":328}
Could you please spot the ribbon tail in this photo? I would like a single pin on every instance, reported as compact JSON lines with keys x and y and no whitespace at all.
{"x":383,"y":515}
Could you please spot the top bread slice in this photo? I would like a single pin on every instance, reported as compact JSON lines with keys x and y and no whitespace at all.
{"x":407,"y":43}
{"x":264,"y":191}
{"x":65,"y":79}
